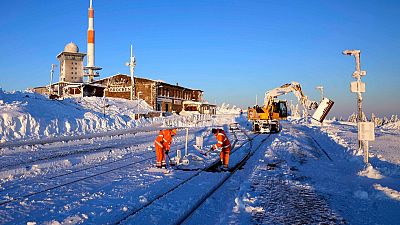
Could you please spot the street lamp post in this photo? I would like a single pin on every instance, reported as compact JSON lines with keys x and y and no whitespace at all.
{"x":321,"y":89}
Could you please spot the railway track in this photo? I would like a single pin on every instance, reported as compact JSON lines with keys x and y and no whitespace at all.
{"x":138,"y":215}
{"x":148,"y":156}
{"x":60,"y":153}
{"x":53,"y":182}
{"x":56,"y":182}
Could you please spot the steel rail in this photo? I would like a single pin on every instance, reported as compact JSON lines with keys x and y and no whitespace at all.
{"x":150,"y":202}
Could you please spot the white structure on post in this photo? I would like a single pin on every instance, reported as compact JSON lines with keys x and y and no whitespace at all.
{"x":132,"y":64}
{"x":138,"y":103}
{"x":91,"y":69}
{"x":51,"y":78}
{"x":365,"y":129}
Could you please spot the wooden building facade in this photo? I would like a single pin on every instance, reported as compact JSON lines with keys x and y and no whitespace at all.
{"x":159,"y":95}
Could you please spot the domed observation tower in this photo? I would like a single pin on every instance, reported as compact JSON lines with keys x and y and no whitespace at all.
{"x":71,"y":64}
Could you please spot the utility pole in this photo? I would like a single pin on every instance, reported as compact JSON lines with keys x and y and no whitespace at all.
{"x":132,"y":64}
{"x":365,"y":129}
{"x":138,"y":102}
{"x":256,"y":100}
{"x":51,"y":78}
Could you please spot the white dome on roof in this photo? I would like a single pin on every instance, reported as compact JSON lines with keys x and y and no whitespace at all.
{"x":71,"y":47}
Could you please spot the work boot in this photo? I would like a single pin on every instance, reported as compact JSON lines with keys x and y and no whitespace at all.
{"x":224,"y":168}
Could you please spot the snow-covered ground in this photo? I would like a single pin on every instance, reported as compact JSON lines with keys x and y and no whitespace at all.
{"x":306,"y":174}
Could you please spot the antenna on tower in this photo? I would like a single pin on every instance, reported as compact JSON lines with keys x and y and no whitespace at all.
{"x":90,"y":68}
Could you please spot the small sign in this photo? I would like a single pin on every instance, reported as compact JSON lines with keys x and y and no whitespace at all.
{"x":366,"y":131}
{"x":178,"y":102}
{"x":199,"y":141}
{"x":162,"y":99}
{"x":356,"y":87}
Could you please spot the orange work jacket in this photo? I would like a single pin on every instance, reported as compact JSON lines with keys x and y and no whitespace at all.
{"x":222,"y":141}
{"x":164,"y":139}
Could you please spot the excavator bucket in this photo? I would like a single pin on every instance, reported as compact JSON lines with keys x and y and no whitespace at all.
{"x":323,"y":110}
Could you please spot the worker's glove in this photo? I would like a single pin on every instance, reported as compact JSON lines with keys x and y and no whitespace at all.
{"x":166,"y":151}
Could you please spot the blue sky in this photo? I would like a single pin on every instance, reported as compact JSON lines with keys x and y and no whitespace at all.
{"x":233,"y":50}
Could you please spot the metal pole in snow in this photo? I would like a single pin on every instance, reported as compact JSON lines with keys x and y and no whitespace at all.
{"x":51,"y":78}
{"x":362,"y":144}
{"x":186,"y":143}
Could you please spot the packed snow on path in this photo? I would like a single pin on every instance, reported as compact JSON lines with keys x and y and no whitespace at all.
{"x":305,"y":174}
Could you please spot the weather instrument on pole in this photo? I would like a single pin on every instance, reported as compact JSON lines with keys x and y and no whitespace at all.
{"x":365,"y":129}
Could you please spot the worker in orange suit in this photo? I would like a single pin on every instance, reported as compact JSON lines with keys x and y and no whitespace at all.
{"x":163,"y":145}
{"x":224,"y":144}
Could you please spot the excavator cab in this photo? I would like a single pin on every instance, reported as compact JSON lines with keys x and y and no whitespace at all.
{"x":279,"y":110}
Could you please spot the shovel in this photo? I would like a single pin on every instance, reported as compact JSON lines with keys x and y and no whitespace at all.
{"x":205,"y":153}
{"x":201,"y":151}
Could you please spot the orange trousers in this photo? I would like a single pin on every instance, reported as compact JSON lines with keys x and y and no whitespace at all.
{"x":224,"y":156}
{"x":160,"y":156}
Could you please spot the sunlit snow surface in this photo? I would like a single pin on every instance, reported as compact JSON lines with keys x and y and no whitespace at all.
{"x":306,"y":174}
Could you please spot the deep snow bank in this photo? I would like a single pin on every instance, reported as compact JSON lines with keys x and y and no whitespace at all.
{"x":226,"y":109}
{"x":25,"y":115}
{"x":392,"y":126}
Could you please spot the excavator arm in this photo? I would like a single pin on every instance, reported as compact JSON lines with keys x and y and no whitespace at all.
{"x":266,"y":118}
{"x":287,"y":88}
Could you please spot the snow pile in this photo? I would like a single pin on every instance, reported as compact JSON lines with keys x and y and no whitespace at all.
{"x":370,"y":172}
{"x":392,"y":126}
{"x":226,"y":109}
{"x":26,"y":116}
{"x":388,"y":192}
{"x":30,"y":115}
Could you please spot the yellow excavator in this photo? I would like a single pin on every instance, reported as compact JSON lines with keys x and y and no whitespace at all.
{"x":266,"y":119}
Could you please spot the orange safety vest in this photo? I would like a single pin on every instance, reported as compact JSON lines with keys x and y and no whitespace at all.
{"x":164,"y":139}
{"x":222,"y":141}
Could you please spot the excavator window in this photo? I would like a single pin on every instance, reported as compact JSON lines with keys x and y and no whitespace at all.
{"x":276,"y":107}
{"x":259,"y":109}
{"x":283,"y":109}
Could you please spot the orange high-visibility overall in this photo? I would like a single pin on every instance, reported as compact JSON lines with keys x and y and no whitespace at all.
{"x":162,"y":144}
{"x":225,"y":145}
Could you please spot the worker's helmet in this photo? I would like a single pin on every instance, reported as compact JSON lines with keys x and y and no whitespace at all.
{"x":214,"y":131}
{"x":173,"y":131}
